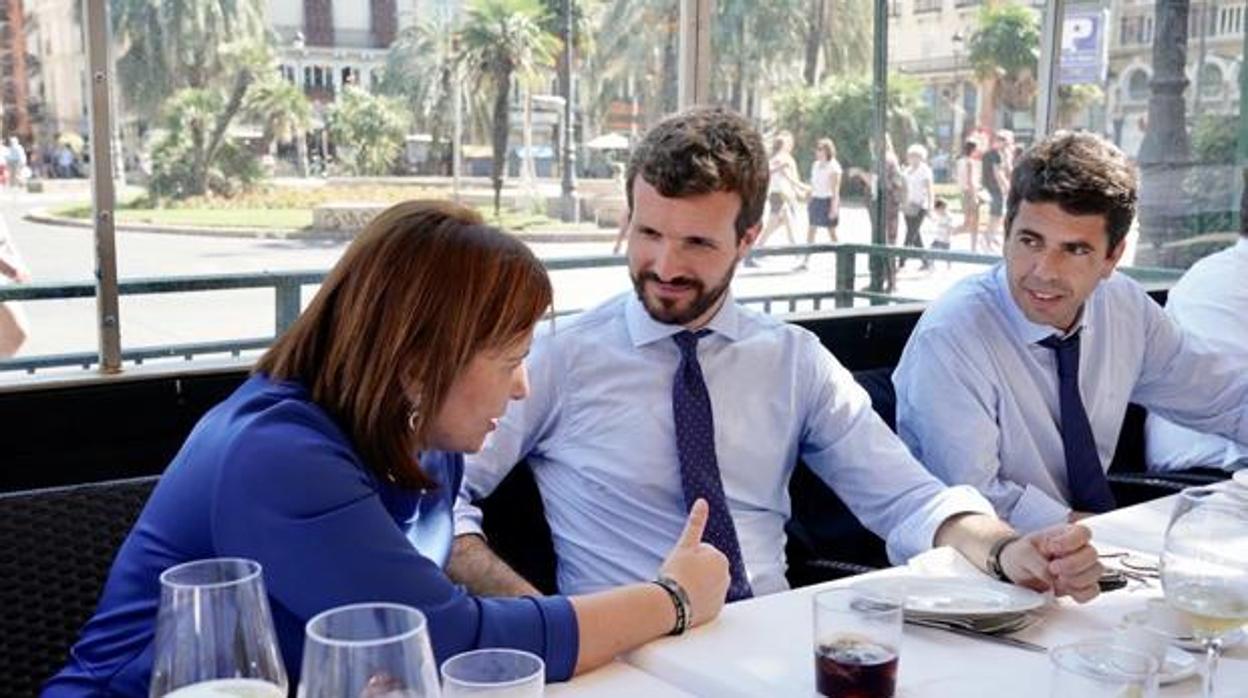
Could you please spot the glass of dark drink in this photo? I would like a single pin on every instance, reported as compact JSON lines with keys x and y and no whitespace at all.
{"x":857,"y":643}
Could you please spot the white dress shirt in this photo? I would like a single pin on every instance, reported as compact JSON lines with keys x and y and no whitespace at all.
{"x":597,"y":430}
{"x":1211,"y":303}
{"x":977,"y":397}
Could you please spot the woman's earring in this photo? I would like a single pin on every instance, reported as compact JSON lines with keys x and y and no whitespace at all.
{"x":411,"y":416}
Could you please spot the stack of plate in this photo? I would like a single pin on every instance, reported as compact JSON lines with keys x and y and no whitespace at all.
{"x":980,"y":605}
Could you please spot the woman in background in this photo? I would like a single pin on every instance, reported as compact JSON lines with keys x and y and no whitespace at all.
{"x":824,"y":207}
{"x":784,"y":186}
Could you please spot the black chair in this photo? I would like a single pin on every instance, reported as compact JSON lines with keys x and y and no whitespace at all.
{"x":56,"y":547}
{"x":825,"y":540}
{"x":514,"y":521}
{"x":1128,"y":479}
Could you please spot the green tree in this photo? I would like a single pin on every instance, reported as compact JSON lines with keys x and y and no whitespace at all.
{"x":1210,"y":185}
{"x":183,"y":61}
{"x":502,"y":39}
{"x":169,"y":45}
{"x":837,"y":34}
{"x":636,"y":44}
{"x":369,"y":130}
{"x":1072,"y":100}
{"x":286,"y":114}
{"x":198,"y":119}
{"x":1005,"y":50}
{"x":758,"y":45}
{"x":193,"y":158}
{"x":420,"y":69}
{"x":583,"y":44}
{"x":840,"y":108}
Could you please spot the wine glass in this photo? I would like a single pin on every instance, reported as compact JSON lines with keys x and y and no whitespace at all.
{"x":214,"y":633}
{"x":1204,"y":567}
{"x":368,"y":650}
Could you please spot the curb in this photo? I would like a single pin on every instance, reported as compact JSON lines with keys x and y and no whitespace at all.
{"x":44,"y":217}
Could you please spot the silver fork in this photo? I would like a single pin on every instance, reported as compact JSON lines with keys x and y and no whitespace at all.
{"x":975,"y":634}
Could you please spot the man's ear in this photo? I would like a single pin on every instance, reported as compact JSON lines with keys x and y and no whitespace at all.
{"x":1115,"y":255}
{"x":749,"y":238}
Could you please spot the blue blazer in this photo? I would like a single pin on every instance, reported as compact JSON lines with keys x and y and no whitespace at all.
{"x":268,"y":475}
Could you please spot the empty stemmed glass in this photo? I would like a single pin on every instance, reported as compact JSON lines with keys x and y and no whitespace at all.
{"x":214,"y":633}
{"x":1204,"y":567}
{"x":368,"y":650}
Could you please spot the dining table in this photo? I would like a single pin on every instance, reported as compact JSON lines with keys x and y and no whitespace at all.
{"x":764,"y":646}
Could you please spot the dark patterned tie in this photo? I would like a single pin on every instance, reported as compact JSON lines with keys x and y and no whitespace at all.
{"x":699,"y":469}
{"x":1089,"y":489}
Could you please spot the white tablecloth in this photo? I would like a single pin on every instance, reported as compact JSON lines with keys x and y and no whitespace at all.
{"x":763,"y":647}
{"x":1141,"y":527}
{"x":615,"y":680}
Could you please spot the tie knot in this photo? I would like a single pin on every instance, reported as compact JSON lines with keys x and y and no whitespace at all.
{"x":688,"y":341}
{"x":1061,"y":344}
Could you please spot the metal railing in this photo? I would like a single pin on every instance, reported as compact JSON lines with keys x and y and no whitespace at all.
{"x":287,"y":289}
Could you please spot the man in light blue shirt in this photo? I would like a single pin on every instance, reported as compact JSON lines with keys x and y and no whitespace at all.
{"x":1210,"y":302}
{"x":617,"y":436}
{"x":1017,"y":380}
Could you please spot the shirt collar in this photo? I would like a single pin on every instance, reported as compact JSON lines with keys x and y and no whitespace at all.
{"x":1026,"y":330}
{"x":643,"y":329}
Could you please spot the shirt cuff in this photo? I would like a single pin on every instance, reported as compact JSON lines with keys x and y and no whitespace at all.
{"x":917,"y":532}
{"x":467,"y":518}
{"x":1036,"y":510}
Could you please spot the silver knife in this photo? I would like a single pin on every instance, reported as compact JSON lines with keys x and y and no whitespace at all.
{"x":967,"y":632}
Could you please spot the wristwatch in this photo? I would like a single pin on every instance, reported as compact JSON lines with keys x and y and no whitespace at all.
{"x":994,"y":557}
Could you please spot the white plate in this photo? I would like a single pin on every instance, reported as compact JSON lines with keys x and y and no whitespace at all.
{"x":1179,"y":665}
{"x":954,"y":596}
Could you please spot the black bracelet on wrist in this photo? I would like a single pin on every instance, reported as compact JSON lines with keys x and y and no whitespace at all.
{"x":680,"y":600}
{"x":994,"y":557}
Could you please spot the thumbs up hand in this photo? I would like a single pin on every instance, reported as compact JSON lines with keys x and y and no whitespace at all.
{"x":698,"y":567}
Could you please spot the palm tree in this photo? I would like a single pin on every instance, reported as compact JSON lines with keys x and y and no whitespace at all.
{"x":168,"y":45}
{"x":839,"y":31}
{"x":286,"y":114}
{"x":502,"y":39}
{"x":636,"y":39}
{"x":1005,"y":50}
{"x":420,"y":70}
{"x":760,"y":44}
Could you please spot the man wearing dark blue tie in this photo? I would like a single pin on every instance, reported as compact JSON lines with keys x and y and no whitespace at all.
{"x":1017,"y":380}
{"x":674,"y":392}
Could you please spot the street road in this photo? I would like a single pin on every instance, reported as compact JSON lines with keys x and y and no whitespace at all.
{"x":63,"y":254}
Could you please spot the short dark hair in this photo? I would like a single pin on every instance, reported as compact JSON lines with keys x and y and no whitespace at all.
{"x":939,"y":204}
{"x":703,"y":150}
{"x":968,"y":148}
{"x":1083,"y":174}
